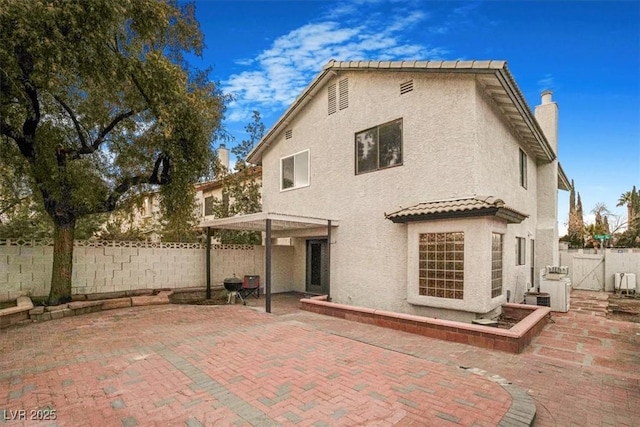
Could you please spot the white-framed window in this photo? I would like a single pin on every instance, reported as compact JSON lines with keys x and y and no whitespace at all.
{"x":379,"y":147}
{"x":294,"y":171}
{"x":521,"y":249}
{"x":523,"y":169}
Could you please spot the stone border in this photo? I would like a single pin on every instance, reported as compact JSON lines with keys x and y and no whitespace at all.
{"x":25,"y":311}
{"x":513,"y":340}
{"x":19,"y":313}
{"x":522,"y":411}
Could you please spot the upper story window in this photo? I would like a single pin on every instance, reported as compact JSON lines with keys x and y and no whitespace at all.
{"x":523,"y":169}
{"x":208,"y":205}
{"x":379,"y":147}
{"x":294,"y":171}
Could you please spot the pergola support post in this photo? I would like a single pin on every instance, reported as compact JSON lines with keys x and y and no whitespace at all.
{"x":267,"y":267}
{"x":329,"y":259}
{"x":208,"y":262}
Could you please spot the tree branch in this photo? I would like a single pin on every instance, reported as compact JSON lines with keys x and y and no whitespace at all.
{"x":23,"y":145}
{"x":158,"y":176}
{"x":25,"y":62}
{"x":139,"y":87}
{"x":81,"y":136}
{"x":104,"y":132}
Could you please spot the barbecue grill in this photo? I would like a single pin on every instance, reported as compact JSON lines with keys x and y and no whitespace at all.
{"x":233,"y":286}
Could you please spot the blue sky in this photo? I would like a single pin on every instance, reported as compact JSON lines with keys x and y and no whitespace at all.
{"x":586,"y":52}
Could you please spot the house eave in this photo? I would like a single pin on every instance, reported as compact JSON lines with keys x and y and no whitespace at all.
{"x":563,"y":179}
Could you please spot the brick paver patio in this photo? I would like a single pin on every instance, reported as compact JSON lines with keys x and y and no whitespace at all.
{"x":233,"y":365}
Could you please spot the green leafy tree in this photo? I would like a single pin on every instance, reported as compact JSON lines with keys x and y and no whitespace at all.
{"x":631,"y":237}
{"x":631,"y":199}
{"x":575,"y":227}
{"x":241,"y":190}
{"x":97,"y":102}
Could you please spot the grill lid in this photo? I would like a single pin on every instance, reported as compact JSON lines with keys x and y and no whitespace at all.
{"x":232,"y":280}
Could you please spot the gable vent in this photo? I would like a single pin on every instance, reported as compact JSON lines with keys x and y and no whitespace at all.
{"x":288,"y":134}
{"x":331,"y":91}
{"x":344,"y":93}
{"x":406,"y":87}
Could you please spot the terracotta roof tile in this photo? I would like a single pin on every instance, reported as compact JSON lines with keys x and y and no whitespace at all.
{"x":457,"y":208}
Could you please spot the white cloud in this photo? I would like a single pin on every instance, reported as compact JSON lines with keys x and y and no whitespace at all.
{"x":546,"y":82}
{"x":279,"y":73}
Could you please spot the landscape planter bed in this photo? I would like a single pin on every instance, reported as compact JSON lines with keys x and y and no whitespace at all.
{"x":513,"y":340}
{"x":17,"y":313}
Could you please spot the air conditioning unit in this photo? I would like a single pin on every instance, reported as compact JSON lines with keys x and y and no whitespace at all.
{"x":625,"y":282}
{"x":537,"y":298}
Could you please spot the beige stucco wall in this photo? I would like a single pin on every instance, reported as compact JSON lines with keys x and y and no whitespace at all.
{"x":498,"y":174}
{"x":454,"y":145}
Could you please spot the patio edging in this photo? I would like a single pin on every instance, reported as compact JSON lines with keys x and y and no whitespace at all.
{"x":513,"y":340}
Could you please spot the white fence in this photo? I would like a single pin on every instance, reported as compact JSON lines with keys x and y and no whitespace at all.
{"x":104,"y":266}
{"x":596,"y":271}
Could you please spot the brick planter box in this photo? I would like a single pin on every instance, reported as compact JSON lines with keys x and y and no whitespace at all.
{"x":513,"y":340}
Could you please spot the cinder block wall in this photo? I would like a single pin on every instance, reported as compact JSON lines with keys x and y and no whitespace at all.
{"x":25,"y":267}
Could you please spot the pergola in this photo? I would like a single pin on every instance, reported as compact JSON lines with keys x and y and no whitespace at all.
{"x":267,"y":222}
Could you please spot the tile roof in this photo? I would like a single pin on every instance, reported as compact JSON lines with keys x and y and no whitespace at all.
{"x":457,"y":208}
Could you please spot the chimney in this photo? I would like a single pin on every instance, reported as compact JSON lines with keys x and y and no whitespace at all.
{"x":547,"y":116}
{"x":223,"y":156}
{"x":546,"y":246}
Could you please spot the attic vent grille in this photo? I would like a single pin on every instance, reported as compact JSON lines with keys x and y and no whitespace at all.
{"x":288,"y":134}
{"x":331,"y":91}
{"x":344,"y":93}
{"x":406,"y":87}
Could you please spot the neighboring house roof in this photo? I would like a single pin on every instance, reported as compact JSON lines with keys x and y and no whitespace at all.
{"x":218,"y":183}
{"x":498,"y":82}
{"x":457,"y":208}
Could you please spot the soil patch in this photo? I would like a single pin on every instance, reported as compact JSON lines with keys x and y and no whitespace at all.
{"x":209,"y":302}
{"x":624,"y":307}
{"x":7,"y":304}
{"x":505,"y":322}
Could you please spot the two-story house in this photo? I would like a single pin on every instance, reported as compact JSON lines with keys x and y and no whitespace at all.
{"x":442,"y":180}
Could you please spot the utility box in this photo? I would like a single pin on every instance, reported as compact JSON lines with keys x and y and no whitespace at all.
{"x":542,"y":299}
{"x":626,"y":282}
